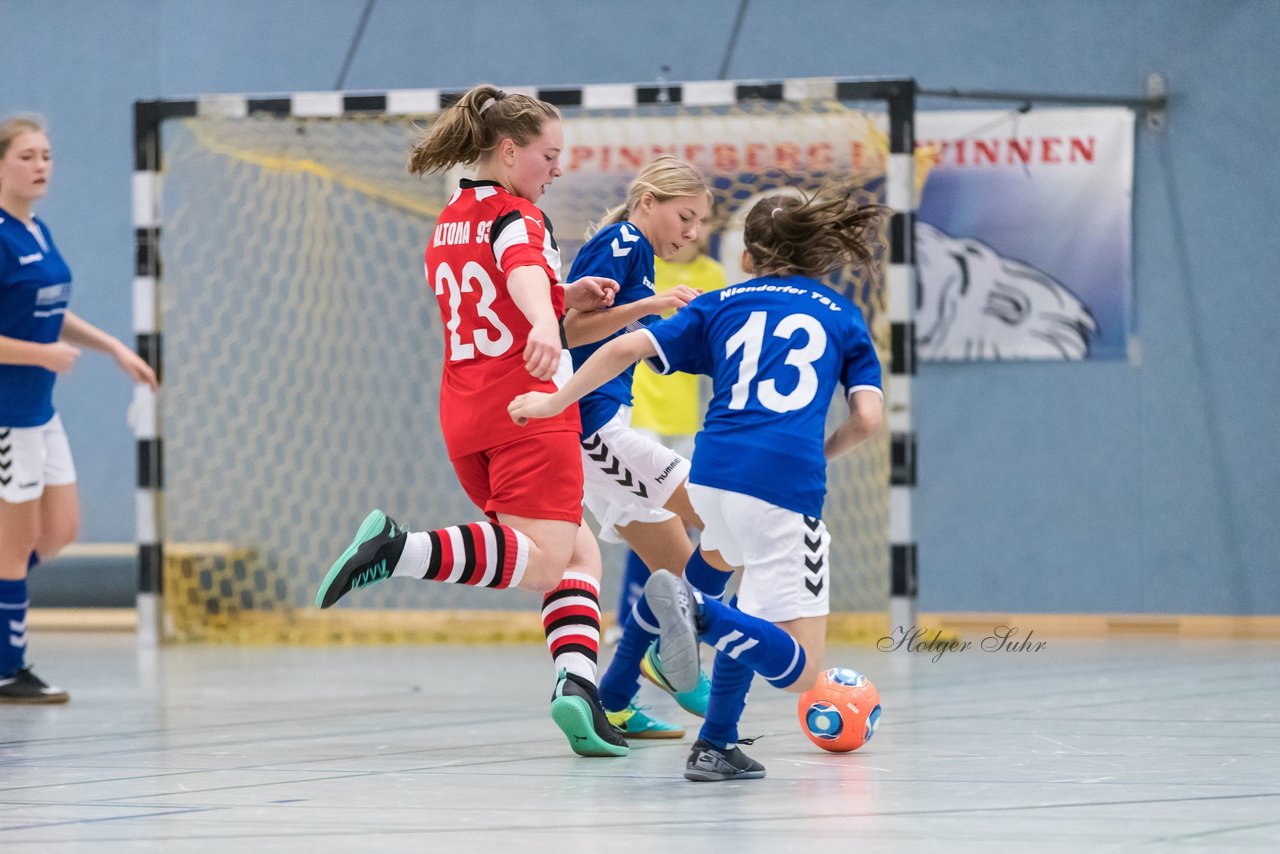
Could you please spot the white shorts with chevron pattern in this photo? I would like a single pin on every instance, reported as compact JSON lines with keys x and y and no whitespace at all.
{"x":32,"y":458}
{"x":784,"y":554}
{"x":628,"y":476}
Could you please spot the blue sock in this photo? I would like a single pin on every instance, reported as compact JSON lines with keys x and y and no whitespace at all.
{"x":757,"y":643}
{"x":32,"y":561}
{"x":708,"y":580}
{"x":634,"y":575}
{"x":13,"y":625}
{"x":622,"y":680}
{"x":730,"y":681}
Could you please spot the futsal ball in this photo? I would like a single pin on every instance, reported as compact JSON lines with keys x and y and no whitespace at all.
{"x":841,"y":711}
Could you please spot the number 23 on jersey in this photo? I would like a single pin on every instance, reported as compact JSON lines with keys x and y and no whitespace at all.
{"x":490,"y":336}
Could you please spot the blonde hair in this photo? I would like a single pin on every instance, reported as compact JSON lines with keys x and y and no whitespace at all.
{"x":667,"y":177}
{"x":472,"y":127}
{"x":14,"y":126}
{"x":811,"y":236}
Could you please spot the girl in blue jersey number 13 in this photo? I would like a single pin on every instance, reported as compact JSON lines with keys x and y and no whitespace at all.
{"x":39,"y":339}
{"x":775,"y":348}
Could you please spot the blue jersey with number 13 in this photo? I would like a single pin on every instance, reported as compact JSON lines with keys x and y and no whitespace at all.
{"x":775,"y":349}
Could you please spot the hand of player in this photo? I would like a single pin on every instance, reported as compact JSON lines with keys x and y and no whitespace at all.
{"x":133,"y":365}
{"x":59,"y":356}
{"x":677,"y":298}
{"x":590,"y":293}
{"x":533,"y":404}
{"x":542,"y":352}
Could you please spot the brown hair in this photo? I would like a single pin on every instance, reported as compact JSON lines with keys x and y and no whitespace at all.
{"x":472,"y":127}
{"x":667,"y":177}
{"x":14,"y":126}
{"x":811,"y":236}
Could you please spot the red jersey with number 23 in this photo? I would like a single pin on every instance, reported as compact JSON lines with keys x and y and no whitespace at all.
{"x":482,"y":234}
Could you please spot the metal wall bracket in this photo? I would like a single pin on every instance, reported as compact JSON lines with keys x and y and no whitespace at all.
{"x":1158,"y":94}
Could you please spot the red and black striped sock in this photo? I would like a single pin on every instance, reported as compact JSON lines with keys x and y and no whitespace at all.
{"x":571,"y":620}
{"x":482,"y":554}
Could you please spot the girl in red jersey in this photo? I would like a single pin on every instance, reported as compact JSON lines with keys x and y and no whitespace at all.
{"x":494,"y":266}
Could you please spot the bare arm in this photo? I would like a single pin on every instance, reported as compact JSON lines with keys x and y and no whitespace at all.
{"x":76,"y":330}
{"x":585,"y":327}
{"x":530,"y":289}
{"x":590,"y":293}
{"x":866,"y":415}
{"x":58,"y":356}
{"x":605,"y":364}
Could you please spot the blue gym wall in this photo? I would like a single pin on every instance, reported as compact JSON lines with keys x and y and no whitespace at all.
{"x":1105,"y":487}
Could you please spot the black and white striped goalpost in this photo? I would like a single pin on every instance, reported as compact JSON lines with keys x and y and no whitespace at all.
{"x":899,"y":96}
{"x":901,"y":286}
{"x":144,"y":413}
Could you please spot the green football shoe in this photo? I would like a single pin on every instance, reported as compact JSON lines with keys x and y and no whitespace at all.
{"x":633,"y":722}
{"x":694,"y":701}
{"x":371,"y":557}
{"x":576,"y":709}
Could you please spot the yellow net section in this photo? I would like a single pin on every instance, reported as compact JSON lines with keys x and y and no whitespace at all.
{"x":303,"y":356}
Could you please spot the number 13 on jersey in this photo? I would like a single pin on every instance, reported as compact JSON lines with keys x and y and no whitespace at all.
{"x":750,"y":339}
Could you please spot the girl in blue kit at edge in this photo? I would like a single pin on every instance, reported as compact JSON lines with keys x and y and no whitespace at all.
{"x":39,"y":339}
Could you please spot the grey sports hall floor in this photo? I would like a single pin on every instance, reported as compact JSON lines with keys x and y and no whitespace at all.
{"x":1114,"y":745}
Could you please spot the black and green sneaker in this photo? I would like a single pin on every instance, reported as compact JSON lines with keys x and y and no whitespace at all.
{"x":576,"y":709}
{"x":370,"y":558}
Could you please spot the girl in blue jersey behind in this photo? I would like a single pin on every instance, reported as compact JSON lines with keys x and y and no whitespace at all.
{"x":775,"y":348}
{"x":634,"y":485}
{"x":39,"y":339}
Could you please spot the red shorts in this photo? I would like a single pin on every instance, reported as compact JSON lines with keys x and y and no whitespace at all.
{"x":539,"y":477}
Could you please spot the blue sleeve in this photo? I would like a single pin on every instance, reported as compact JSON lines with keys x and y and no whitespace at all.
{"x":597,"y":258}
{"x":861,"y":365}
{"x":682,"y":340}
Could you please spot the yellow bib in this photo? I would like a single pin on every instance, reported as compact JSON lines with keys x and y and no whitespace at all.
{"x":669,"y":405}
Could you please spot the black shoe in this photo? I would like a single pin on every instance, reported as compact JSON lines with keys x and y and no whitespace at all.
{"x":26,"y":687}
{"x":708,"y":763}
{"x":674,"y":604}
{"x":576,"y":709}
{"x":371,"y":557}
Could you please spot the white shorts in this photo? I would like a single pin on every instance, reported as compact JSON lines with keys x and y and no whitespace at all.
{"x":681,"y":444}
{"x":628,"y":477}
{"x":32,"y":458}
{"x":784,"y":554}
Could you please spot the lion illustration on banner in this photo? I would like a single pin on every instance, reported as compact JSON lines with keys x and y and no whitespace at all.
{"x":971,"y":301}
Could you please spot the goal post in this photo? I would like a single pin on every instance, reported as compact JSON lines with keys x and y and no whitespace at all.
{"x":278,"y":247}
